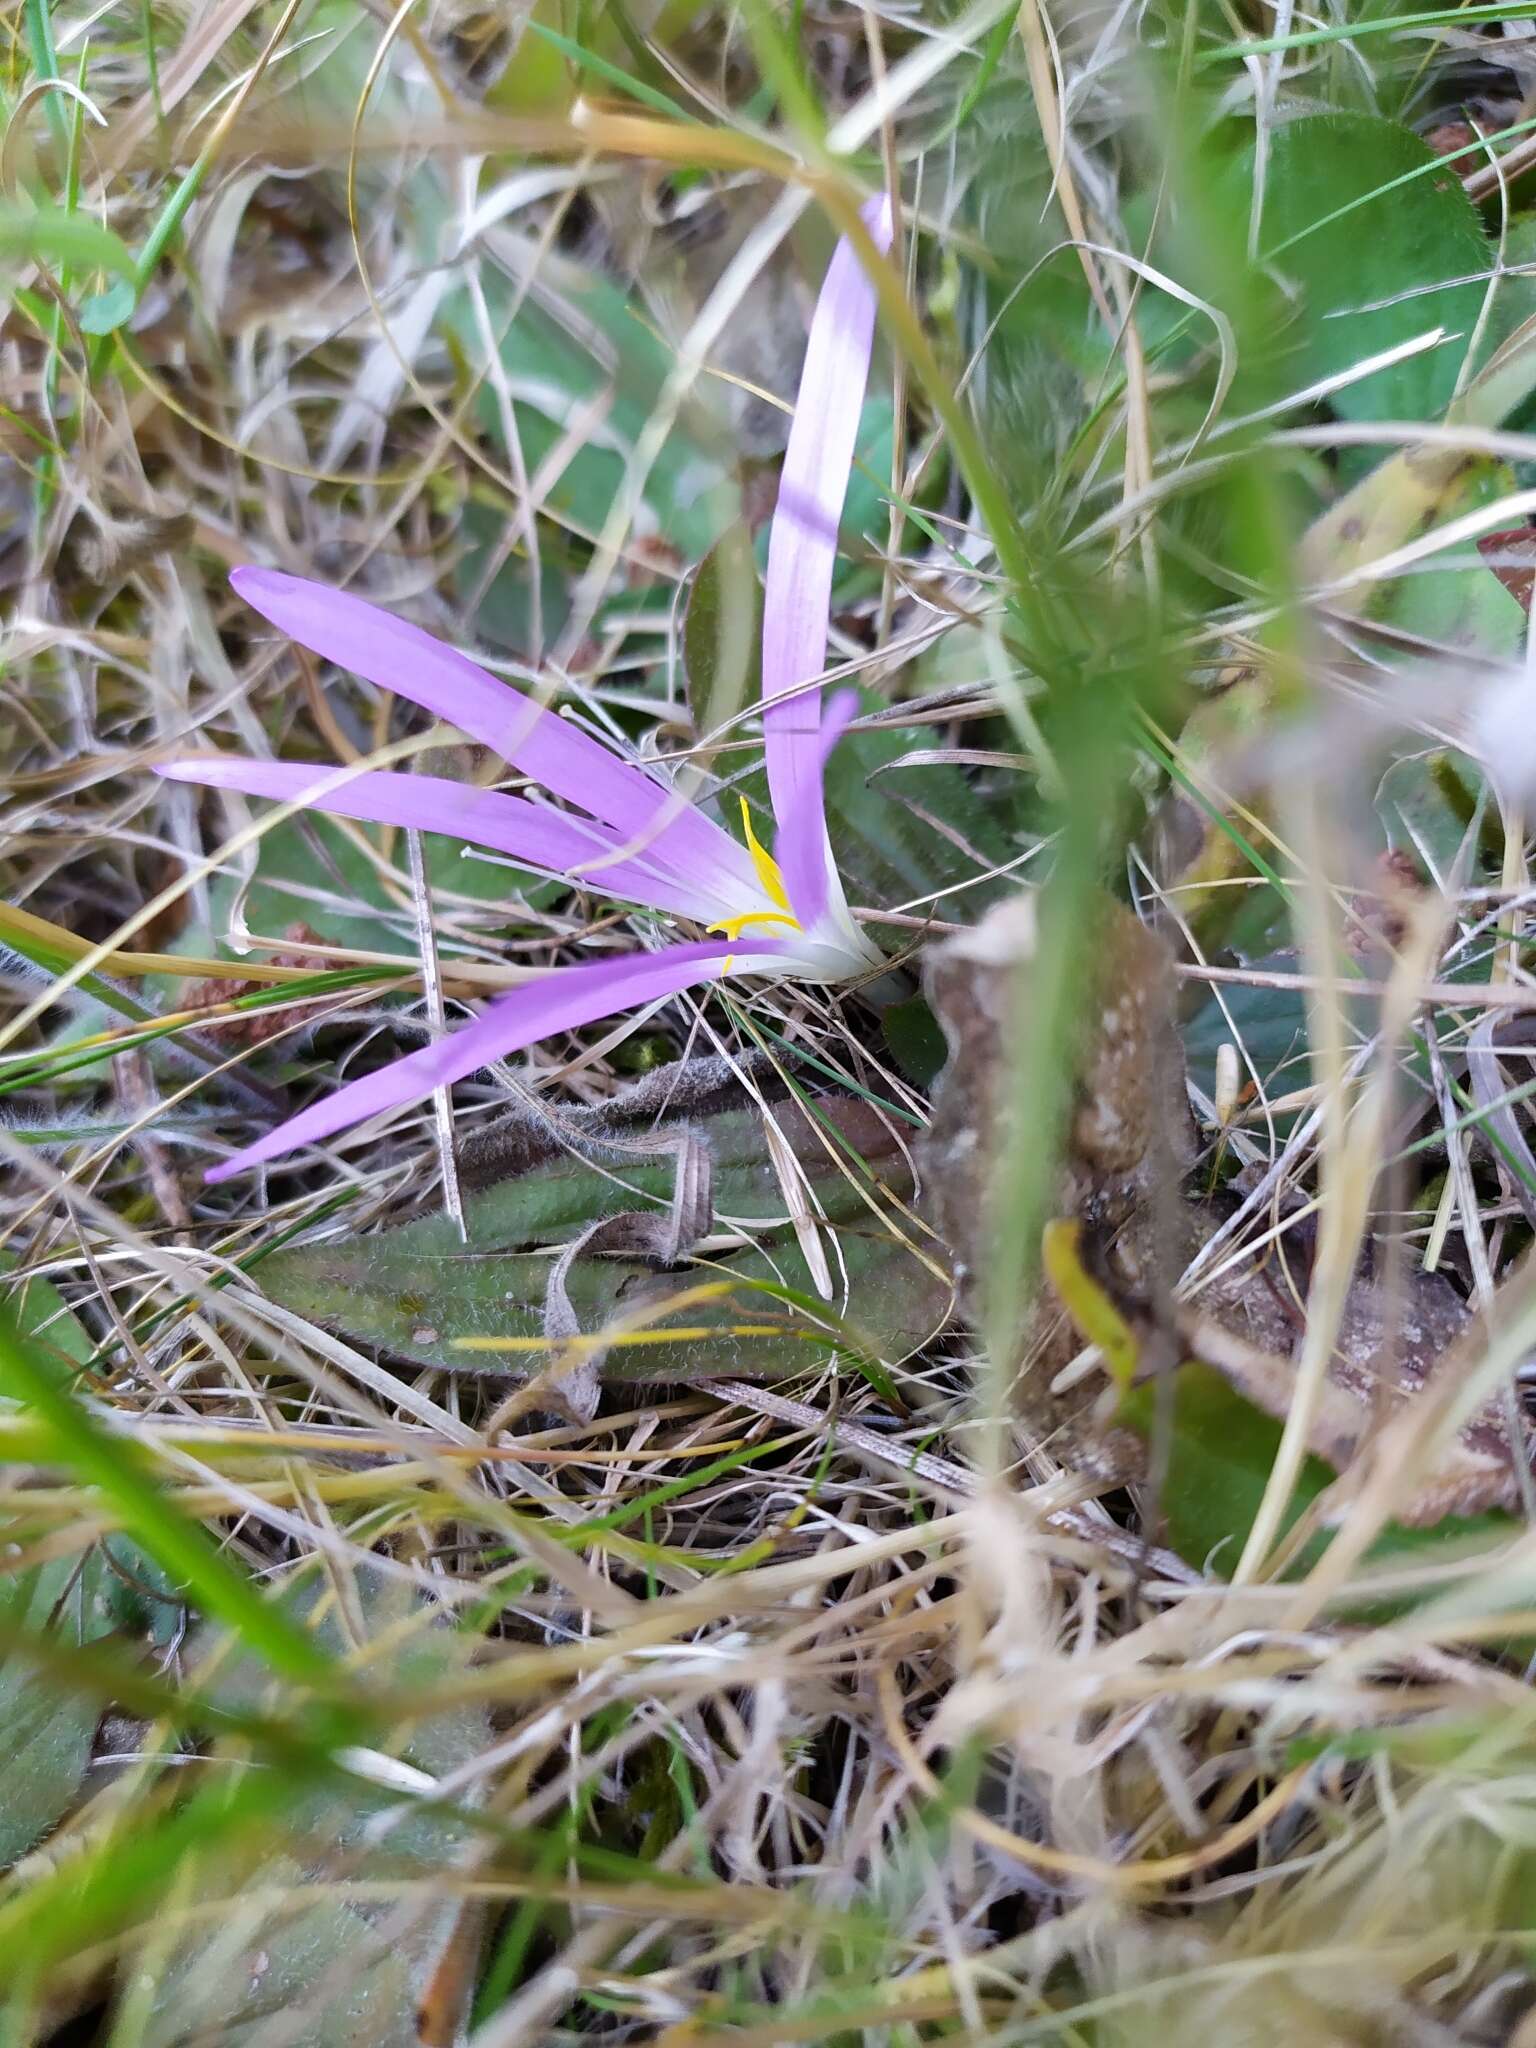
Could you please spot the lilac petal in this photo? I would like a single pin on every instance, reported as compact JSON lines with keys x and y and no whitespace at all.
{"x":430,"y":803}
{"x":398,"y":656}
{"x":802,"y":544}
{"x":558,"y":1001}
{"x":803,"y":851}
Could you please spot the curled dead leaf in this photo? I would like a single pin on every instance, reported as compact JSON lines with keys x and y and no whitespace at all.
{"x":1124,"y":1213}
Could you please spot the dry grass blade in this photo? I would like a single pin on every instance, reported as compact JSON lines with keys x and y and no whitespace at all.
{"x":643,"y":1543}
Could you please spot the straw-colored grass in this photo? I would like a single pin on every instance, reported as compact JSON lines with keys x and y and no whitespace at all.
{"x":359,"y":1696}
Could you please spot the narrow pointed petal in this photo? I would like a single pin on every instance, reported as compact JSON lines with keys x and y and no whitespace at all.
{"x":398,"y":656}
{"x":804,"y":854}
{"x":523,"y":831}
{"x":802,"y":543}
{"x":561,"y":1000}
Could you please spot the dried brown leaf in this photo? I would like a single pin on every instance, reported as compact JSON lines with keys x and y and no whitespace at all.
{"x":1130,"y":1139}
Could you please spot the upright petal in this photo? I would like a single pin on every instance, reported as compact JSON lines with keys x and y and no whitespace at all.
{"x":810,"y":880}
{"x":558,"y":1001}
{"x":528,"y":832}
{"x":802,"y":543}
{"x":398,"y":656}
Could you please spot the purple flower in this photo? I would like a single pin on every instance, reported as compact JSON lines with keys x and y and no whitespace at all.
{"x":630,"y":833}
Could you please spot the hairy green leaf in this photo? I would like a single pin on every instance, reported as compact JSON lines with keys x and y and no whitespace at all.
{"x":1371,"y":267}
{"x":417,"y":1290}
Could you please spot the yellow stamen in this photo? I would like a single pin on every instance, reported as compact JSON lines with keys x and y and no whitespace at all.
{"x":733,"y":927}
{"x":767,"y":867}
{"x":773,"y":887}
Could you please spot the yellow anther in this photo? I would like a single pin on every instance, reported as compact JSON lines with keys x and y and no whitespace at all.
{"x":773,"y":888}
{"x":767,"y":867}
{"x":733,"y":927}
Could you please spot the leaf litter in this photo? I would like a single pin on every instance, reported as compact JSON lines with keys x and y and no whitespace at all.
{"x":834,"y":1699}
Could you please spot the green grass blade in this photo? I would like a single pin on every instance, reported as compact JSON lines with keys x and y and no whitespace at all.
{"x":176,"y":1542}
